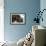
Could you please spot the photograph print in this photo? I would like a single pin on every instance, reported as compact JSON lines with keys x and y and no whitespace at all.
{"x":17,"y":18}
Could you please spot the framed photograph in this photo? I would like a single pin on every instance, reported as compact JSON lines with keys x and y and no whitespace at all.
{"x":17,"y":18}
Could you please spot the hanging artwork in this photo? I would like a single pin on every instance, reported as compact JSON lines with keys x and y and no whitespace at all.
{"x":17,"y":18}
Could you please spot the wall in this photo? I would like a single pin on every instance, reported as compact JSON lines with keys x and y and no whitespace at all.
{"x":1,"y":20}
{"x":30,"y":7}
{"x":43,"y":6}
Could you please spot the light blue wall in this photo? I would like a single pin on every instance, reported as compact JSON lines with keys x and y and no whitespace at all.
{"x":43,"y":6}
{"x":30,"y":7}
